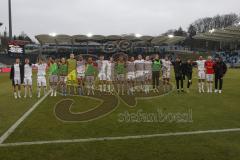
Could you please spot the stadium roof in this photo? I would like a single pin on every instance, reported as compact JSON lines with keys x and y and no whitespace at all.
{"x":229,"y":34}
{"x":166,"y":40}
{"x":76,"y":39}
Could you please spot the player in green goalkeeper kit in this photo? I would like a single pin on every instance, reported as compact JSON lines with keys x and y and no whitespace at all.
{"x":53,"y":77}
{"x":63,"y":72}
{"x":90,"y":73}
{"x":120,"y":71}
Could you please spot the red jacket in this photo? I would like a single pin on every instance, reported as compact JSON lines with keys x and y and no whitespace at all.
{"x":209,"y":66}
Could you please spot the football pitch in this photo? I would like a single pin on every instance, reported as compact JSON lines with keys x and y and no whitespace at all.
{"x":207,"y":126}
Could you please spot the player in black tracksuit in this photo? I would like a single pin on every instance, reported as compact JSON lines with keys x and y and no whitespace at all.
{"x":220,"y":69}
{"x":179,"y":74}
{"x":17,"y":77}
{"x":188,"y":70}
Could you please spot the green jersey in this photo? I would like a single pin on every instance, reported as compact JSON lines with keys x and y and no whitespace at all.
{"x":90,"y":70}
{"x":72,"y":64}
{"x":63,"y":70}
{"x":156,"y":65}
{"x":120,"y":68}
{"x":53,"y":69}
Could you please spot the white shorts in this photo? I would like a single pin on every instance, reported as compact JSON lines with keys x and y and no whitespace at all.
{"x":41,"y":82}
{"x":17,"y":81}
{"x":27,"y":81}
{"x":110,"y":77}
{"x":131,"y":76}
{"x":140,"y":75}
{"x":201,"y":75}
{"x":80,"y":75}
{"x":166,"y":74}
{"x":102,"y":76}
{"x":148,"y":75}
{"x":63,"y":79}
{"x":209,"y":77}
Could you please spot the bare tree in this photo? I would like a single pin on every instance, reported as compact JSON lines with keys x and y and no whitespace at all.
{"x":218,"y":21}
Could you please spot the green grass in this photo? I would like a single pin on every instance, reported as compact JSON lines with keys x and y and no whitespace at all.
{"x":11,"y":109}
{"x":208,"y":111}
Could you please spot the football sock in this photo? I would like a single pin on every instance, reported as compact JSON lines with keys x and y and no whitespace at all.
{"x":100,"y":87}
{"x":19,"y":94}
{"x":39,"y":92}
{"x":30,"y":92}
{"x":202,"y":86}
{"x":25,"y":92}
{"x":15,"y":95}
{"x":210,"y":86}
{"x":104,"y":88}
{"x":199,"y":86}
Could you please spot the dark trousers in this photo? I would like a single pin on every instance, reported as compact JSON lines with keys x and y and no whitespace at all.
{"x":220,"y":80}
{"x":179,"y":81}
{"x":155,"y":79}
{"x":189,"y":78}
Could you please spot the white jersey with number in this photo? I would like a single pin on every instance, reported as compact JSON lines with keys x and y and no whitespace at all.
{"x":27,"y":71}
{"x":41,"y":69}
{"x":201,"y":65}
{"x":80,"y":67}
{"x":139,"y":65}
{"x":102,"y":64}
{"x":17,"y":74}
{"x":148,"y":66}
{"x":110,"y":68}
{"x":166,"y":65}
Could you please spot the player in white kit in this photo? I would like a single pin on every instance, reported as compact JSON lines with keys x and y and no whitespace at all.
{"x":147,"y":74}
{"x":16,"y":77}
{"x":41,"y":77}
{"x":139,"y":64}
{"x":81,"y":67}
{"x":110,"y":75}
{"x":166,"y":71}
{"x":27,"y":78}
{"x":130,"y":66}
{"x":201,"y":74}
{"x":102,"y":69}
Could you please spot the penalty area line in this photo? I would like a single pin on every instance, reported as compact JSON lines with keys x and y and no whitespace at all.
{"x":120,"y":138}
{"x":21,"y":119}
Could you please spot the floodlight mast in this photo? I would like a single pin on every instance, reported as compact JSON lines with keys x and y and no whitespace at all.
{"x":10,"y":18}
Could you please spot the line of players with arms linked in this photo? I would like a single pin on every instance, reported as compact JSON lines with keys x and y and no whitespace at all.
{"x":123,"y":75}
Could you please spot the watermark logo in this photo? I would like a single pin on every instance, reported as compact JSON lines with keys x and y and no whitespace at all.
{"x":117,"y":46}
{"x":160,"y":116}
{"x":108,"y":104}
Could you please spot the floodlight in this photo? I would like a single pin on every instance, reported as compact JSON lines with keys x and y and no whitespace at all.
{"x":89,"y":35}
{"x":212,"y":30}
{"x":138,"y":35}
{"x":53,"y":34}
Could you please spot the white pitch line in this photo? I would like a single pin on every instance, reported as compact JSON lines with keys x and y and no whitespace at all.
{"x":119,"y":138}
{"x":21,"y":119}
